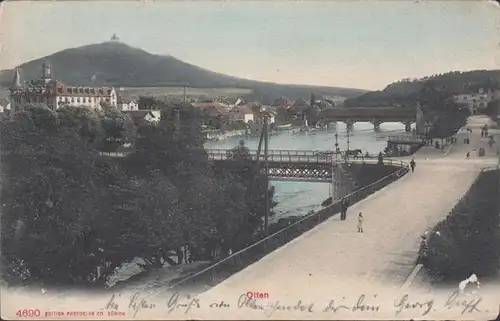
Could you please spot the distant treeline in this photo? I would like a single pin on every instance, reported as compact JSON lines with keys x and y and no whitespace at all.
{"x":406,"y":92}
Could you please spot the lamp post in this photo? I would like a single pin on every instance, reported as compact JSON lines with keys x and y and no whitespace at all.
{"x":266,"y":168}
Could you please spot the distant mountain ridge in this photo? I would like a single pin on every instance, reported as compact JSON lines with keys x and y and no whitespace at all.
{"x":116,"y":64}
{"x":406,"y":90}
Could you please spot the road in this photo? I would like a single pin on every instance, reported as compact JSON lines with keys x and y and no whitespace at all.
{"x":334,"y":260}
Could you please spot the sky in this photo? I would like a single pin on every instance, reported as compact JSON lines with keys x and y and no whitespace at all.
{"x":355,"y":44}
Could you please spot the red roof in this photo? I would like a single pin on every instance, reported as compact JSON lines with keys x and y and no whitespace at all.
{"x":244,"y":109}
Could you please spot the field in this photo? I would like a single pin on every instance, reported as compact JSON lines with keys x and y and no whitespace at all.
{"x":135,"y":92}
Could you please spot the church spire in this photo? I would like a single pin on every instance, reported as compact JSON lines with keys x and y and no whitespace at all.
{"x":46,"y":73}
{"x":16,"y":82}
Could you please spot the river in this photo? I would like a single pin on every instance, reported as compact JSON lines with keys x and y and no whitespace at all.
{"x":298,"y":198}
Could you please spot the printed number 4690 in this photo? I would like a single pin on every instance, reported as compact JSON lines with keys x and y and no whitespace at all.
{"x":26,"y":313}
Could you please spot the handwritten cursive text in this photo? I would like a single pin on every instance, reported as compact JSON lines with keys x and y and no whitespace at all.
{"x":468,"y":305}
{"x":404,"y":303}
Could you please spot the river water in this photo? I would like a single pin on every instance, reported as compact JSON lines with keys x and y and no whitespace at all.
{"x":298,"y":198}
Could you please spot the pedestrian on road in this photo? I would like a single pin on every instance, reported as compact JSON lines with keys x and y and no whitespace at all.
{"x":422,"y":255}
{"x":360,"y":222}
{"x":467,"y":156}
{"x":412,"y":165}
{"x":343,"y":209}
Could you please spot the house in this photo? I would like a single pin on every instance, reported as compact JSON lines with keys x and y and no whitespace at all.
{"x":212,"y":114}
{"x":127,"y":104}
{"x":56,"y":94}
{"x":475,"y":100}
{"x":259,"y":110}
{"x":149,"y":116}
{"x":243,"y":113}
{"x":282,"y":102}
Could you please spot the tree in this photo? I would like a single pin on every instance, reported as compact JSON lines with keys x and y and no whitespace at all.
{"x":53,"y":180}
{"x":66,"y":210}
{"x":493,"y":109}
{"x":119,"y":128}
{"x":244,"y":169}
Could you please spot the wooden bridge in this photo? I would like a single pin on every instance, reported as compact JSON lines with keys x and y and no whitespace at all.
{"x":375,"y":115}
{"x":301,"y":165}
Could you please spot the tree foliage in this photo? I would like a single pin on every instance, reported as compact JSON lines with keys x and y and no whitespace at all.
{"x":445,"y":115}
{"x":468,"y":240}
{"x":67,"y":209}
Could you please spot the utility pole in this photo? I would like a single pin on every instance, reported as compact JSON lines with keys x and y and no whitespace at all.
{"x":177,"y":118}
{"x":348,"y":137}
{"x":335,"y":170}
{"x":266,"y":166}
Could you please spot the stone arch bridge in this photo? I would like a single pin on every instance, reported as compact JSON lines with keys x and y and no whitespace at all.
{"x":374,"y":115}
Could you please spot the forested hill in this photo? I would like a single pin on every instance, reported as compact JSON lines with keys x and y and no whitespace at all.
{"x":120,"y":65}
{"x":405,"y":91}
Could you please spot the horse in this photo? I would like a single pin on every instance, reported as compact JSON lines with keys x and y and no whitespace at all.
{"x":354,"y":153}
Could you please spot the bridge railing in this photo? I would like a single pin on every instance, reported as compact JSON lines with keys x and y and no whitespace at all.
{"x":235,"y":262}
{"x":299,"y":156}
{"x":291,"y":156}
{"x":407,"y":138}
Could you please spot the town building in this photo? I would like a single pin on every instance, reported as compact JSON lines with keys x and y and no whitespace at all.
{"x":474,"y":101}
{"x":56,"y":94}
{"x":243,"y":113}
{"x":212,"y":114}
{"x":140,"y":116}
{"x":127,"y":104}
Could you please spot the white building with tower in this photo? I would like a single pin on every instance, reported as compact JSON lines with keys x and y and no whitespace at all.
{"x":56,"y":94}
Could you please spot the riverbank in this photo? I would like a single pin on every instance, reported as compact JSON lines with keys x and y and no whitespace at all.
{"x":216,"y":135}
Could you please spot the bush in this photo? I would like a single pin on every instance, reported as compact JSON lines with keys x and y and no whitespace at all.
{"x":468,"y":240}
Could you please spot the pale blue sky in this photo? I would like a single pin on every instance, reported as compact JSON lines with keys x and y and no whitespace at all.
{"x":360,"y":44}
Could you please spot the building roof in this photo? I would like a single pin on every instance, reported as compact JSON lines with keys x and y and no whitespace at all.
{"x":282,"y":102}
{"x":122,"y":100}
{"x":300,"y":103}
{"x":63,"y":90}
{"x":244,"y":109}
{"x":211,"y":106}
{"x":48,"y":86}
{"x":137,"y":115}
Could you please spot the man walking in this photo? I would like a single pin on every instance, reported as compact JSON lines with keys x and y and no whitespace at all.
{"x":343,"y":209}
{"x":412,"y":165}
